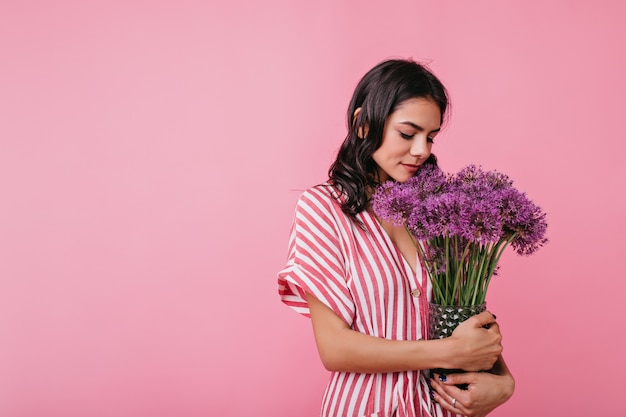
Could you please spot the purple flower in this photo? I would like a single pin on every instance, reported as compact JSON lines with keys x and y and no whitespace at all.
{"x":463,"y":221}
{"x":480,"y":206}
{"x":394,"y":202}
{"x":429,"y":181}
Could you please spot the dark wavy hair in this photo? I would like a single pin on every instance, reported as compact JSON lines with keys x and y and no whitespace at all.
{"x":378,"y":94}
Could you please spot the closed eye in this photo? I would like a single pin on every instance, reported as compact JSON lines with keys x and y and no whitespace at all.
{"x":408,"y":137}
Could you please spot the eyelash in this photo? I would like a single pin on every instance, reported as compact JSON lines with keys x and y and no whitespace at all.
{"x":407,"y":137}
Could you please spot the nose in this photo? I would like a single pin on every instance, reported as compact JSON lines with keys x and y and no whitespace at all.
{"x":420,"y":147}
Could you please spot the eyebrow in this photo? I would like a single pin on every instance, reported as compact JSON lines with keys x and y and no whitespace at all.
{"x":418,"y":127}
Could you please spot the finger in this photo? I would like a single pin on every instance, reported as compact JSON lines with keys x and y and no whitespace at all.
{"x":449,"y":403}
{"x":448,"y":391}
{"x":438,"y":387}
{"x":451,"y":380}
{"x":447,"y":386}
{"x":483,"y":319}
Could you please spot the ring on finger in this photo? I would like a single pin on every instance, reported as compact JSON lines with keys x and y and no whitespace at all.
{"x":453,"y":403}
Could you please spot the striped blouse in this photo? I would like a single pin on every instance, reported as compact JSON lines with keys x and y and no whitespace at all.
{"x":361,"y":275}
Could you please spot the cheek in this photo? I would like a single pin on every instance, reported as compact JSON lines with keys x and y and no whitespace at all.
{"x":393,"y":145}
{"x":401,"y":147}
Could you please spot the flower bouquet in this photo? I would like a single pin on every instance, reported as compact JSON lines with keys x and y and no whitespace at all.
{"x":461,"y":224}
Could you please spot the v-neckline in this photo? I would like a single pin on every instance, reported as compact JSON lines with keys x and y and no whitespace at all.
{"x":410,"y":271}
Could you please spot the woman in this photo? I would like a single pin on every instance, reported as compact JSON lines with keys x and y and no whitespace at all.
{"x":359,"y":278}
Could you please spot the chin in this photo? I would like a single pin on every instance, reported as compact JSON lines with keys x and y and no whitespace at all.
{"x":402,"y":179}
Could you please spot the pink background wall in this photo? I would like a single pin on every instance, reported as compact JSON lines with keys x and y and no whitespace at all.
{"x":151,"y":153}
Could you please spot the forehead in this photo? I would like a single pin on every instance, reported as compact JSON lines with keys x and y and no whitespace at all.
{"x":421,"y":111}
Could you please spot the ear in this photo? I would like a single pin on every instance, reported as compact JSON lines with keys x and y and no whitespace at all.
{"x":360,"y":132}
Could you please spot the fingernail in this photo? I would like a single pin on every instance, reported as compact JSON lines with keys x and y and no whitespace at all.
{"x":432,"y":395}
{"x":494,"y":316}
{"x":443,"y":378}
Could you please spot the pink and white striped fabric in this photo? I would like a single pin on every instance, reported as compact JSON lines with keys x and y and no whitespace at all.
{"x":364,"y":279}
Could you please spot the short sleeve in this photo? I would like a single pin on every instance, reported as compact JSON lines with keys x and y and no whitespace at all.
{"x":316,"y":262}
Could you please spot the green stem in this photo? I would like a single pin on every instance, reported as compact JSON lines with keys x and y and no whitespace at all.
{"x":497,"y":252}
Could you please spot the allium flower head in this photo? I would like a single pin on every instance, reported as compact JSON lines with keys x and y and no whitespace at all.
{"x":463,"y":222}
{"x":395,"y":202}
{"x":429,"y":181}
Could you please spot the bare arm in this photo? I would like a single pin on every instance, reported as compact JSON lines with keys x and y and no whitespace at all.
{"x":470,"y":346}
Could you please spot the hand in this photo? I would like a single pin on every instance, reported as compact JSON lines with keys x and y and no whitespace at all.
{"x":479,"y":342}
{"x":485,"y":391}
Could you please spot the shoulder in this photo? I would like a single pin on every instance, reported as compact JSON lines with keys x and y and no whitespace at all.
{"x":322,"y":196}
{"x":319,"y":207}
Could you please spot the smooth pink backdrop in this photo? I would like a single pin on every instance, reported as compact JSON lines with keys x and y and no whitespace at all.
{"x":151,"y":153}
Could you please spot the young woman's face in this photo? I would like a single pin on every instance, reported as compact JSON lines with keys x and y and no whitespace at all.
{"x":407,"y":139}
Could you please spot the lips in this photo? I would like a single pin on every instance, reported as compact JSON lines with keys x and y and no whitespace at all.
{"x":411,"y":167}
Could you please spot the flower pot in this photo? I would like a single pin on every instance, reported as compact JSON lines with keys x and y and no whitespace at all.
{"x":444,"y":319}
